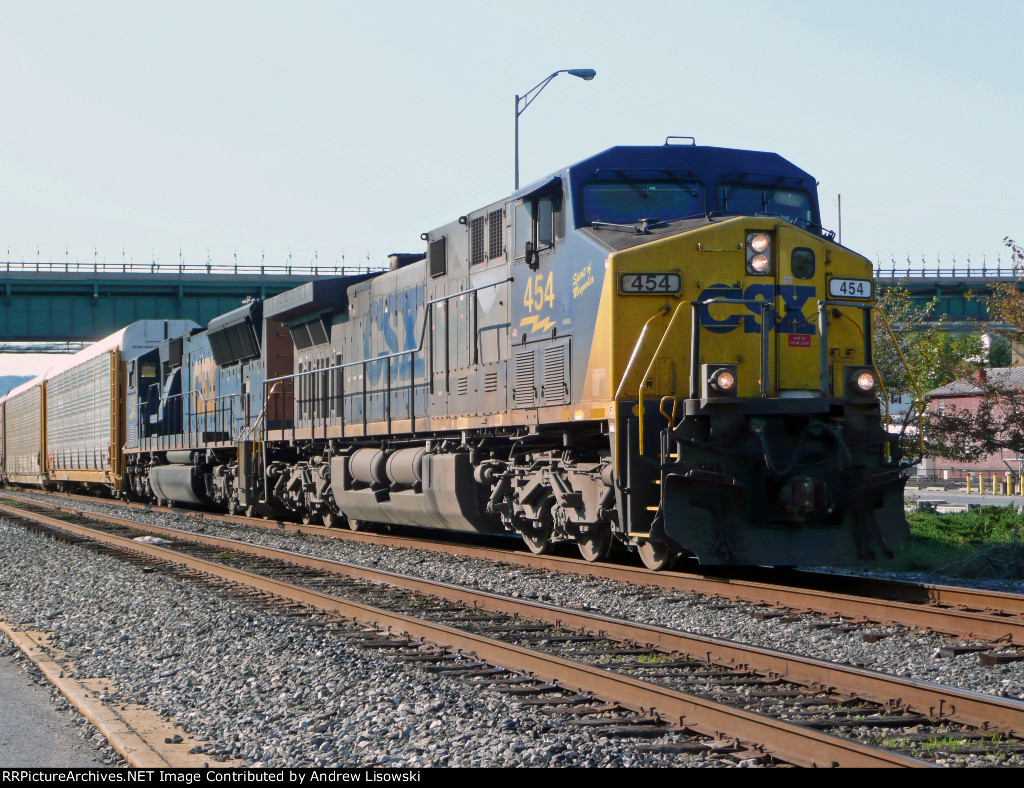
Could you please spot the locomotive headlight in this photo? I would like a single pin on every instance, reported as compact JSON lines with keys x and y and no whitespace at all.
{"x":860,"y":382}
{"x":759,"y":263}
{"x":759,"y":253}
{"x":723,"y":380}
{"x":759,"y":242}
{"x":718,"y":381}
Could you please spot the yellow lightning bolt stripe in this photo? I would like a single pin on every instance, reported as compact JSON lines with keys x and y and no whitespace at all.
{"x":537,"y":324}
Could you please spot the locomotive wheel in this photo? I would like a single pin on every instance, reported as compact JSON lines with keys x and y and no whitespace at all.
{"x":537,"y":534}
{"x":538,"y":539}
{"x":311,"y":518}
{"x":332,"y":519}
{"x":596,"y":544}
{"x":655,"y":555}
{"x":356,"y":525}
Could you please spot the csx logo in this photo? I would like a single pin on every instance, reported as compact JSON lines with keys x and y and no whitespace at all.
{"x":730,"y":316}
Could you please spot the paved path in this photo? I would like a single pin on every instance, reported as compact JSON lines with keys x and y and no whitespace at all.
{"x":32,"y":731}
{"x":962,"y":499}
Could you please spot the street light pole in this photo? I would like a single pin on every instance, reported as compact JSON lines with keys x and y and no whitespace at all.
{"x":527,"y":99}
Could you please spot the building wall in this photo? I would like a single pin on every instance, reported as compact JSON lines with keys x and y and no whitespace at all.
{"x":1000,"y":462}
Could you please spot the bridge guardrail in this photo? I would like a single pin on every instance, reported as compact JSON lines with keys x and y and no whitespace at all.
{"x":1002,"y":271}
{"x":101,"y":267}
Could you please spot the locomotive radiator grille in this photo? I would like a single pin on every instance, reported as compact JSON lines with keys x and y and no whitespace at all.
{"x":494,"y":220}
{"x":476,"y":239}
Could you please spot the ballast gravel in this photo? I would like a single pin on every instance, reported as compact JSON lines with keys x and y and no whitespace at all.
{"x":914,"y":654}
{"x":273,"y":690}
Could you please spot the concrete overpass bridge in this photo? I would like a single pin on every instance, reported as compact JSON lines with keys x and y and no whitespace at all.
{"x":960,"y":290}
{"x":62,"y":306}
{"x":59,"y":307}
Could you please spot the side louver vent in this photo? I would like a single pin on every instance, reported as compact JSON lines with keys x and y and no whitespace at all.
{"x":554,"y":389}
{"x":524,"y":392}
{"x":490,"y":382}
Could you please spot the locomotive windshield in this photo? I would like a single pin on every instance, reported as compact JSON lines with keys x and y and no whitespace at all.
{"x":630,"y":201}
{"x":791,"y":205}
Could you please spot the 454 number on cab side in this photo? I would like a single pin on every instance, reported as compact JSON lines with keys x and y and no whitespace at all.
{"x":539,"y":292}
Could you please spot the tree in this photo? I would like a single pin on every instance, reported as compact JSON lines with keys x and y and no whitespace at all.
{"x":933,"y":357}
{"x":1000,"y":353}
{"x":1006,"y":304}
{"x":907,"y":321}
{"x":998,"y":420}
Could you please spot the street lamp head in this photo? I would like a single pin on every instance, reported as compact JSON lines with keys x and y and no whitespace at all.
{"x":524,"y":101}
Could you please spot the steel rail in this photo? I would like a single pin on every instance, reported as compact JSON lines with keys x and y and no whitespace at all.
{"x":937,"y":608}
{"x":922,"y":697}
{"x":790,"y":742}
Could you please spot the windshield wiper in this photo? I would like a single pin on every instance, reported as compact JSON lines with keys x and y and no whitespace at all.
{"x":636,"y":229}
{"x":644,"y":226}
{"x":631,"y":184}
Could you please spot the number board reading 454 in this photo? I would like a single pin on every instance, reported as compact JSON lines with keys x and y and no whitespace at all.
{"x":849,"y":288}
{"x":650,"y":283}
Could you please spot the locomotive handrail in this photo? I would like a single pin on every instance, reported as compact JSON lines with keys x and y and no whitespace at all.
{"x":649,"y":372}
{"x":695,"y":338}
{"x":634,"y":356}
{"x":823,"y":304}
{"x":664,"y":310}
{"x":251,"y":428}
{"x":218,"y":412}
{"x":396,"y":353}
{"x":260,"y":451}
{"x":387,"y":357}
{"x":867,"y":309}
{"x":765,"y":307}
{"x":218,"y":415}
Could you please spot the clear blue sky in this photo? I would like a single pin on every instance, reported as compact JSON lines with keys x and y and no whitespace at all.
{"x":348,"y":128}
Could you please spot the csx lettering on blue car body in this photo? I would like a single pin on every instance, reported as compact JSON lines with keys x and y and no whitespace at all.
{"x":386,"y":313}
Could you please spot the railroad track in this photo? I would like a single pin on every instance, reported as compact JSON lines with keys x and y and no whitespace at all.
{"x":681,"y":690}
{"x":996,"y":618}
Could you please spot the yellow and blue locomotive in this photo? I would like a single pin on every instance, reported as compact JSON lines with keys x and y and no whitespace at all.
{"x":658,"y":348}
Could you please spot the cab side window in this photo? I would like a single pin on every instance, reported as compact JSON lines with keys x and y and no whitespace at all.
{"x":539,"y":221}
